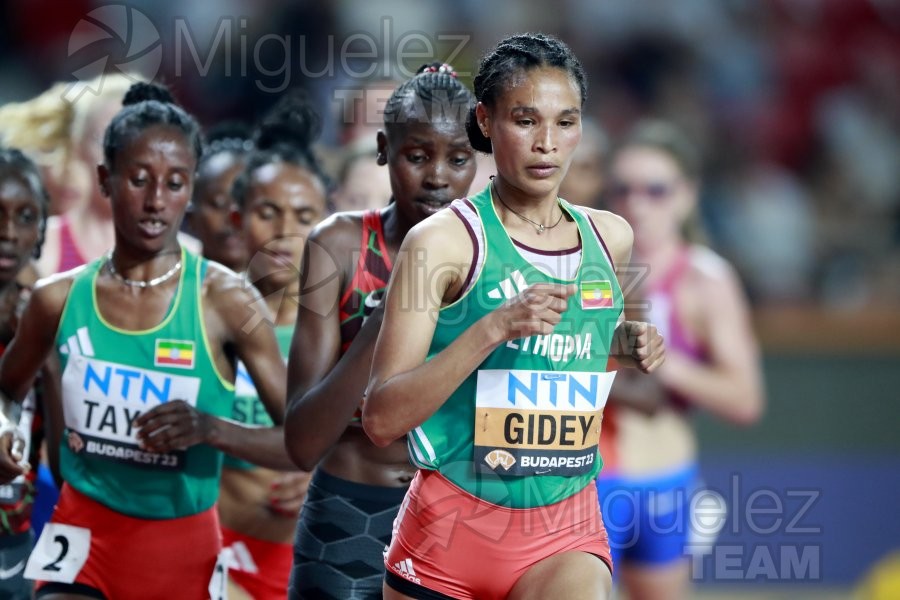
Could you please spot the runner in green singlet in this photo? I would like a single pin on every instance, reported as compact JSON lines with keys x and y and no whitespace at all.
{"x":147,"y":337}
{"x":499,"y":320}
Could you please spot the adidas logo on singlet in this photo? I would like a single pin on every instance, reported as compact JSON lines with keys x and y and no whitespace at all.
{"x":78,"y":344}
{"x":404,"y":568}
{"x":509,"y":287}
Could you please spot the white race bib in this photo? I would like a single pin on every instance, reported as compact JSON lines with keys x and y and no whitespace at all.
{"x":59,"y":554}
{"x":218,"y":583}
{"x":538,"y":422}
{"x":102,"y":401}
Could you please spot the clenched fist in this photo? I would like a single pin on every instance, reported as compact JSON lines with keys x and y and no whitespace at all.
{"x":638,"y":344}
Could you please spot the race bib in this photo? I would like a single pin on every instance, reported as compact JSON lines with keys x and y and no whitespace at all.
{"x":539,"y":422}
{"x":218,"y":583}
{"x":102,"y":400}
{"x":59,"y":554}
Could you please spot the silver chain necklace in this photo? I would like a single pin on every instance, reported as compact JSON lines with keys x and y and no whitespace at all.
{"x":139,"y":283}
{"x":540,"y":226}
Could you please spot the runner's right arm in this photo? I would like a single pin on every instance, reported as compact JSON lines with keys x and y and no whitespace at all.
{"x":325,"y":388}
{"x":26,"y":355}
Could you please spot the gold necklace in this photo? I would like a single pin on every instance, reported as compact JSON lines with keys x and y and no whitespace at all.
{"x":540,"y":226}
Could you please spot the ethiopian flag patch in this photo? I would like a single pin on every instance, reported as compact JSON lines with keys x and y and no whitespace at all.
{"x":174,"y":353}
{"x":596,"y":294}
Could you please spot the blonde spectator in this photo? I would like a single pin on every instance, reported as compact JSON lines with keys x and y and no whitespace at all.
{"x":41,"y":127}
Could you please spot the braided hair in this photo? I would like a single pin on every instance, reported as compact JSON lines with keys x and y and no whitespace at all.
{"x":436,"y":90}
{"x":235,"y":137}
{"x":146,"y":105}
{"x":512,"y":56}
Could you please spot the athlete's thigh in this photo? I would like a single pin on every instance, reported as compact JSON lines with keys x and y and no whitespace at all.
{"x":236,"y":592}
{"x":656,"y":582}
{"x":573,"y":575}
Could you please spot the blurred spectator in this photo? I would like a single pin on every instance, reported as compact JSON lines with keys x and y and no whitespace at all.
{"x":41,"y":127}
{"x":584,"y":182}
{"x":363,"y":184}
{"x":85,"y":231}
{"x":812,"y":87}
{"x":768,"y":229}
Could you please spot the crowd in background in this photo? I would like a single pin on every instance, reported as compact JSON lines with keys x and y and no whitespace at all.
{"x":795,"y":105}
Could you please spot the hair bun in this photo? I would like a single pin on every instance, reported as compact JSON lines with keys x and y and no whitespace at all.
{"x":229,"y":130}
{"x":292,"y":121}
{"x":142,"y":92}
{"x":437,"y":67}
{"x":228,"y":136}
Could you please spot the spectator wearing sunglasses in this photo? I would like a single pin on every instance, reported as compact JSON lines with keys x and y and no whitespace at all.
{"x":695,"y":299}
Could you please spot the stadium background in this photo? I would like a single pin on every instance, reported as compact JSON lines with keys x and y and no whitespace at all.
{"x":796,"y":106}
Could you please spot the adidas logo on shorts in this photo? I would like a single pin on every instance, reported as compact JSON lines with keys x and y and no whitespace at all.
{"x":404,"y":568}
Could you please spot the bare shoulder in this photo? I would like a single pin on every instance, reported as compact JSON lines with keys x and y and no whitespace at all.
{"x":443,"y":231}
{"x":441,"y":248}
{"x":705,"y":265}
{"x":222,"y":286}
{"x":54,"y":224}
{"x":50,"y":250}
{"x":50,"y":293}
{"x":229,"y":302}
{"x":710,"y":273}
{"x":615,"y":232}
{"x":339,"y":232}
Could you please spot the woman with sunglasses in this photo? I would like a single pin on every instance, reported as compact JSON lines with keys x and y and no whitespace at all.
{"x":695,"y":299}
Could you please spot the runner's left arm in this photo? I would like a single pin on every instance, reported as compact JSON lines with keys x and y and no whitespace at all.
{"x":635,"y":344}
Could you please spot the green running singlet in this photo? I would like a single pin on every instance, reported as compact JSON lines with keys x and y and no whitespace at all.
{"x":110,"y":376}
{"x":522,"y":430}
{"x":248,"y":408}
